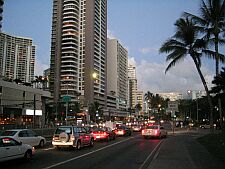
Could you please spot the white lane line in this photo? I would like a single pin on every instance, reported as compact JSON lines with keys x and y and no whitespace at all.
{"x":66,"y":161}
{"x":150,"y":155}
{"x":46,"y":149}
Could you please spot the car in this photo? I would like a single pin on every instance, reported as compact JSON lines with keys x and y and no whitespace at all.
{"x":154,"y":131}
{"x":103,"y":133}
{"x":12,"y":149}
{"x":26,"y":136}
{"x":122,"y":130}
{"x":136,"y":127}
{"x":72,"y":137}
{"x":205,"y":126}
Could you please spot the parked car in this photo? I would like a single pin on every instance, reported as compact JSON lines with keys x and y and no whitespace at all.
{"x":26,"y":136}
{"x":122,"y":130}
{"x":72,"y":136}
{"x":154,"y":131}
{"x":12,"y":149}
{"x":103,"y":133}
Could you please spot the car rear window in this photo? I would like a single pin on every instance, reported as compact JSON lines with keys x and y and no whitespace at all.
{"x":8,"y":133}
{"x":67,"y":130}
{"x":152,"y":127}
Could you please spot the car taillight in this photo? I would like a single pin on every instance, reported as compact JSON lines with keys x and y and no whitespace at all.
{"x":123,"y":131}
{"x":115,"y":131}
{"x":142,"y":131}
{"x":105,"y":134}
{"x":156,"y":132}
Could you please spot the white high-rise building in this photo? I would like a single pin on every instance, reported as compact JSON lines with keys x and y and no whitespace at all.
{"x":17,"y":57}
{"x":117,"y":67}
{"x":132,"y":86}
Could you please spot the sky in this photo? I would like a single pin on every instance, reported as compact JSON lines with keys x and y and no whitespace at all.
{"x":141,"y":26}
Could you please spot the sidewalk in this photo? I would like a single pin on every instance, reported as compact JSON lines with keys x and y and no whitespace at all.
{"x":182,"y":151}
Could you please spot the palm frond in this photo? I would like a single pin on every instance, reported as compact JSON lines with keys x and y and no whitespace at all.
{"x":174,"y":62}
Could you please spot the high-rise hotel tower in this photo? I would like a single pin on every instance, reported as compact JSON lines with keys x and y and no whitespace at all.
{"x":78,"y":50}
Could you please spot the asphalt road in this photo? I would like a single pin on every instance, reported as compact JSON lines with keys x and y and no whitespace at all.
{"x":131,"y":152}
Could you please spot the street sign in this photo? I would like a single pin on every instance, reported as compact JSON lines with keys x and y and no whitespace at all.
{"x":66,"y":98}
{"x":172,"y":106}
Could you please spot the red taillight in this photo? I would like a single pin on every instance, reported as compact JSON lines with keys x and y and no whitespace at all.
{"x":156,"y":132}
{"x":143,"y":131}
{"x":123,"y":131}
{"x":105,"y":133}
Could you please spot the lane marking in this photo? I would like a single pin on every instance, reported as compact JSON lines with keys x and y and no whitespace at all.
{"x":46,"y":149}
{"x":83,"y":155}
{"x":152,"y":152}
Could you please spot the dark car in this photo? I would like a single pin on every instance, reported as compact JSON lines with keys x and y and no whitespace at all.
{"x":123,"y":131}
{"x":103,"y":133}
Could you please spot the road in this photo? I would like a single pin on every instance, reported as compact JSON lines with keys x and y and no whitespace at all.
{"x":131,"y":152}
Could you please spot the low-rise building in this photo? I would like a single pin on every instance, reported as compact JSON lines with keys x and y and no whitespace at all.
{"x":22,"y":105}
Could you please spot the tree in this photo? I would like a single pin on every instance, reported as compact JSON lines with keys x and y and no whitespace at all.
{"x":138,"y":107}
{"x":95,"y":109}
{"x":185,"y":42}
{"x":219,"y":82}
{"x":212,"y":23}
{"x":219,"y":90}
{"x":148,"y":97}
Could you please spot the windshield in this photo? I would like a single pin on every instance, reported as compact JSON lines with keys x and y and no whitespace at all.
{"x":152,"y":127}
{"x":67,"y":130}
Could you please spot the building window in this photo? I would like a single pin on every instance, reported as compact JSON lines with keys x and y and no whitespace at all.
{"x":0,"y":89}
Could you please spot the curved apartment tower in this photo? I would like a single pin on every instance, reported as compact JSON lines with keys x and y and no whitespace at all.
{"x":78,"y":50}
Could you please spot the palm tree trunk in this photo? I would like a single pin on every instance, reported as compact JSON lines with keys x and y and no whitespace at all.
{"x":207,"y":92}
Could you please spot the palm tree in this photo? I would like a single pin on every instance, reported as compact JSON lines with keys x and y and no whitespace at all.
{"x":185,"y":43}
{"x":212,"y":22}
{"x":219,"y":89}
{"x":148,"y":97}
{"x":219,"y":82}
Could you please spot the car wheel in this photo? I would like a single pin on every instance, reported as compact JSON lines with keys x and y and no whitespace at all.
{"x":92,"y":142}
{"x":28,"y":155}
{"x":78,"y":145}
{"x":41,"y":144}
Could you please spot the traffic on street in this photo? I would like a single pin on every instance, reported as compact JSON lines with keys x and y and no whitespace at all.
{"x":131,"y":152}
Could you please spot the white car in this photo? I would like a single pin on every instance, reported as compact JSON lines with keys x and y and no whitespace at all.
{"x":12,"y":149}
{"x":25,"y":136}
{"x":154,"y":131}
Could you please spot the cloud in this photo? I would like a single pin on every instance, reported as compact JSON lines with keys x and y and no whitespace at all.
{"x":148,"y":50}
{"x":131,"y":61}
{"x":151,"y":77}
{"x":39,"y":68}
{"x":111,"y":34}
